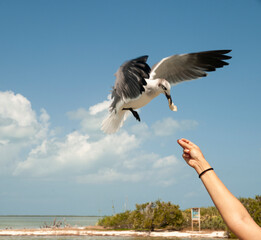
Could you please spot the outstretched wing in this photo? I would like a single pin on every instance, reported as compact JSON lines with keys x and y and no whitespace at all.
{"x":178,"y":68}
{"x":130,"y":79}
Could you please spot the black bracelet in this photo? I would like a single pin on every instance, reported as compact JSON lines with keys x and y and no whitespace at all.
{"x":205,"y":171}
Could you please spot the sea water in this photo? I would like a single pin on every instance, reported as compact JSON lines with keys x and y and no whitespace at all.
{"x":70,"y":238}
{"x":27,"y":222}
{"x":97,"y":238}
{"x":21,"y":222}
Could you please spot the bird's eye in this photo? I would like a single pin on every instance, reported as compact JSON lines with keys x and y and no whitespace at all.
{"x":164,"y":88}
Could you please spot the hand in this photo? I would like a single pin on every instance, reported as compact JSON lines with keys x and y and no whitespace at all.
{"x":232,"y":211}
{"x":193,"y":155}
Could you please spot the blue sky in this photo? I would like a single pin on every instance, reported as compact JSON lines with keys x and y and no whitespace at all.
{"x":56,"y":71}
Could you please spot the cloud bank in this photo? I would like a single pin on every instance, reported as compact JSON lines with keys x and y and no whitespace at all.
{"x":87,"y":156}
{"x":18,"y":122}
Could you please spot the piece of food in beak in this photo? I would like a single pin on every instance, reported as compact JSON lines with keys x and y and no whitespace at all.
{"x":172,"y":107}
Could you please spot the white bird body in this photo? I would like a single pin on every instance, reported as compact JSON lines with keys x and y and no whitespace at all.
{"x":116,"y":118}
{"x":151,"y":91}
{"x":136,"y":84}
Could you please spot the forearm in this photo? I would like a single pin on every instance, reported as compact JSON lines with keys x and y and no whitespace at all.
{"x":226,"y":203}
{"x":233,"y":212}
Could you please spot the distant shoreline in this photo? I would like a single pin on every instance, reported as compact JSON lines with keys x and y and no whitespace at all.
{"x":25,"y":215}
{"x":97,"y":231}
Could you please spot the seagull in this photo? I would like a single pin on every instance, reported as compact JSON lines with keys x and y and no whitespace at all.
{"x":137,"y":84}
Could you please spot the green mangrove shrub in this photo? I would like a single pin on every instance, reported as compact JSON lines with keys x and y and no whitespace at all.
{"x":147,"y":216}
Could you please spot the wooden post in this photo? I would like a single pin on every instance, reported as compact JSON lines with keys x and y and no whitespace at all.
{"x":195,"y":216}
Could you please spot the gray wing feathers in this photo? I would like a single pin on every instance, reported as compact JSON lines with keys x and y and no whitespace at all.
{"x":190,"y":66}
{"x":130,"y":80}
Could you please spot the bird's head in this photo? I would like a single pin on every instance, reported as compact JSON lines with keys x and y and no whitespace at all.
{"x":165,"y":87}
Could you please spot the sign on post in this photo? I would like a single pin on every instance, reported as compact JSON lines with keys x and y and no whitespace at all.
{"x":195,"y":217}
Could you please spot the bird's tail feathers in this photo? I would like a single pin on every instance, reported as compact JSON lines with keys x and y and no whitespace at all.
{"x":114,"y":121}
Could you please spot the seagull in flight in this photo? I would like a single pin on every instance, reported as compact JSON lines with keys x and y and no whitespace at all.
{"x":137,"y":84}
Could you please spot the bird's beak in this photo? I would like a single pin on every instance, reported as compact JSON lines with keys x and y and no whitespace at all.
{"x":169,"y":98}
{"x":171,"y":104}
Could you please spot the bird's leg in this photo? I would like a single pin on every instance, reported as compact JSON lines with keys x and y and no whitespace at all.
{"x":171,"y":104}
{"x":135,"y":114}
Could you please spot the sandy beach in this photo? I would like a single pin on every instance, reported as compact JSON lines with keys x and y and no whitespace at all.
{"x":99,"y":232}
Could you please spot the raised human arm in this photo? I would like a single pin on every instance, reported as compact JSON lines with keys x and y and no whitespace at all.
{"x":232,"y":211}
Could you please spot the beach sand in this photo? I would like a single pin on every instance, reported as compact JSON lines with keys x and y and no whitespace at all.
{"x":96,"y":231}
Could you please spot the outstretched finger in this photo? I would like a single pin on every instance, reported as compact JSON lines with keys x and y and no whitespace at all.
{"x":184,"y":143}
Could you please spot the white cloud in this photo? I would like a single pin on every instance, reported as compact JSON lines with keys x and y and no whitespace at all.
{"x":111,"y":158}
{"x":20,"y":129}
{"x":100,"y":107}
{"x":169,"y":126}
{"x":77,"y":153}
{"x":168,"y":161}
{"x":16,"y":107}
{"x":18,"y":122}
{"x":146,"y":168}
{"x":85,"y":155}
{"x":89,"y":122}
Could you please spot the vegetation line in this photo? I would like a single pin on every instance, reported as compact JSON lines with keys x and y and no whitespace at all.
{"x":167,"y":216}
